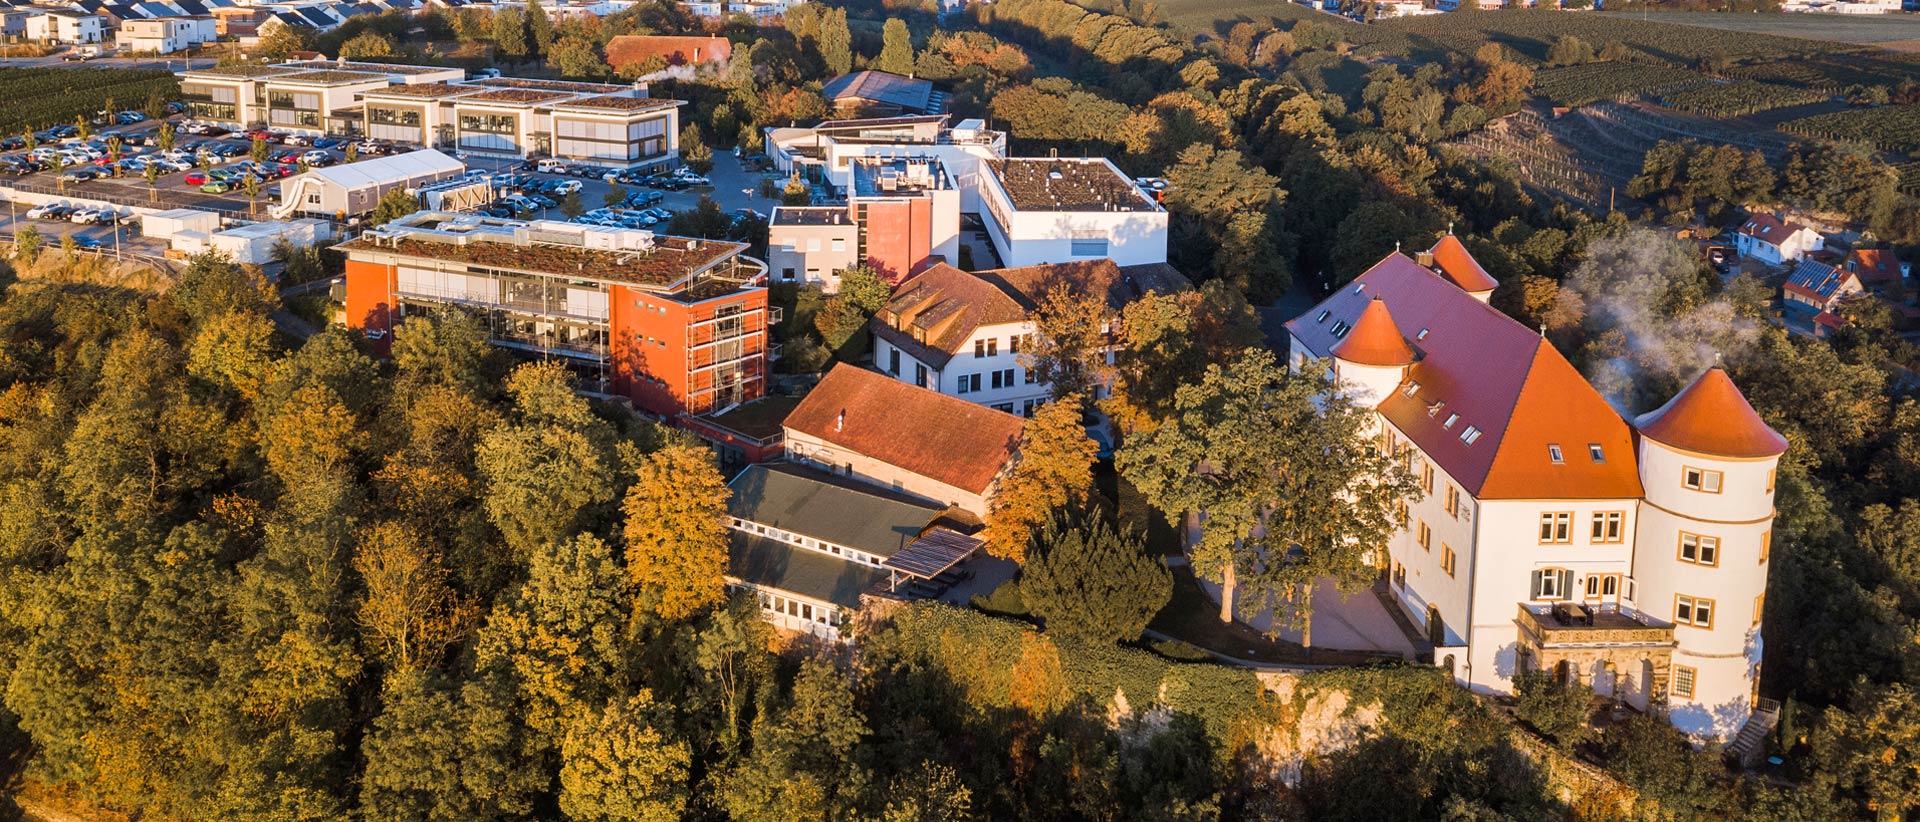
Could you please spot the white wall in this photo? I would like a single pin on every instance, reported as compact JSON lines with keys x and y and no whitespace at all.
{"x":813,"y":450}
{"x":1014,"y":398}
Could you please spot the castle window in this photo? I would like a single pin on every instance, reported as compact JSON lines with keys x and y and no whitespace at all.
{"x":1699,"y":550}
{"x":1683,"y":677}
{"x":1553,"y":453}
{"x":1695,"y":611}
{"x":1556,"y":527}
{"x":1700,"y":479}
{"x":1552,"y":583}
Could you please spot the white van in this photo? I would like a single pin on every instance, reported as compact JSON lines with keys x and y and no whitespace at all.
{"x":552,"y":166}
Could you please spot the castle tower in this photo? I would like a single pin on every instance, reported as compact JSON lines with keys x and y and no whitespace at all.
{"x":1372,"y":360}
{"x":1702,"y":546}
{"x":1449,"y":259}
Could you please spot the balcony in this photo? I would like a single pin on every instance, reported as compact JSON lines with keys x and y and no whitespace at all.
{"x":1572,"y":624}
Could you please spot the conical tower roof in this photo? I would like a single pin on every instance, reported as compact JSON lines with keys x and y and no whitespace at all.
{"x":1451,"y":257}
{"x":1712,"y":417}
{"x":1374,"y":339}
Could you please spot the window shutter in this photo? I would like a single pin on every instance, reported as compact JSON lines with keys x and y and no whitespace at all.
{"x":1536,"y":585}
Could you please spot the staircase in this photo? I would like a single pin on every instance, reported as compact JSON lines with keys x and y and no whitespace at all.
{"x":1751,"y":742}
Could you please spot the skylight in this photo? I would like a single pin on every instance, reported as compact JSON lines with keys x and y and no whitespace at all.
{"x":1423,"y":334}
{"x":1598,"y":454}
{"x":1451,"y":419}
{"x":1359,"y":287}
{"x":1553,"y":453}
{"x":1322,"y":318}
{"x":1340,"y":329}
{"x":1413,"y":386}
{"x":1468,"y":436}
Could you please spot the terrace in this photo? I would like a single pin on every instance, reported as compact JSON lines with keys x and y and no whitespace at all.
{"x":1059,"y":184}
{"x":621,"y":102}
{"x":329,"y":78}
{"x":420,"y":90}
{"x":515,"y":96}
{"x":689,"y":270}
{"x":568,"y":86}
{"x":245,"y":72}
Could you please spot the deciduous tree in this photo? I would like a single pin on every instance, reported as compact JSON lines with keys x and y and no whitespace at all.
{"x":677,"y":533}
{"x":620,"y":766}
{"x":1054,"y":471}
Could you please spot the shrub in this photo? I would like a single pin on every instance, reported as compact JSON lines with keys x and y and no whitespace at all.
{"x":1554,"y":708}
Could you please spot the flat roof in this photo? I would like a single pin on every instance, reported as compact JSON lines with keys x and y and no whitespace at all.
{"x":571,"y":86}
{"x":897,"y":176}
{"x":243,"y":72}
{"x":517,"y":96}
{"x":382,"y":68}
{"x":671,"y":260}
{"x":622,"y":102}
{"x":1065,"y":184}
{"x":811,"y":215}
{"x":421,"y":90}
{"x":331,"y":78}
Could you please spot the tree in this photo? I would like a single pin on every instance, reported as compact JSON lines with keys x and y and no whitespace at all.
{"x":26,"y":244}
{"x":559,"y":635}
{"x":396,"y":203}
{"x":1053,"y":471}
{"x":367,"y":44}
{"x":677,"y":533}
{"x":414,"y":752}
{"x":1873,"y":750}
{"x":896,"y":50}
{"x":864,"y":288}
{"x":1568,"y":50}
{"x":803,"y":764}
{"x":1068,"y":352}
{"x":410,"y":613}
{"x":1094,"y":584}
{"x":1166,"y":337}
{"x":539,"y":27}
{"x":694,"y":150}
{"x":1226,"y":221}
{"x":571,"y":206}
{"x":547,"y":473}
{"x":619,"y":766}
{"x":932,"y":793}
{"x":575,"y":56}
{"x":1289,"y":478}
{"x":213,"y":285}
{"x":615,"y":196}
{"x":1554,"y":708}
{"x":796,"y":192}
{"x":284,"y":40}
{"x":152,"y":175}
{"x":510,"y":33}
{"x":836,"y":41}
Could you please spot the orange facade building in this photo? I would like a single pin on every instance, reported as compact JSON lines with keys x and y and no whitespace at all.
{"x":677,"y":325}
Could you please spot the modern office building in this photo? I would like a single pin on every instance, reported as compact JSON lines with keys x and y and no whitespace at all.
{"x":824,"y":153}
{"x":677,"y":325}
{"x":902,"y":214}
{"x":1059,"y":210}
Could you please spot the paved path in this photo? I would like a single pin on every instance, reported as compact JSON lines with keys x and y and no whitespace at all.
{"x":1351,"y":622}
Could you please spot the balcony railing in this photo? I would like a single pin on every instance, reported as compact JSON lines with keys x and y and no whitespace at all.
{"x":1572,"y":623}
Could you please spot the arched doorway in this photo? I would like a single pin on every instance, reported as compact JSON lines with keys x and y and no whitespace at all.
{"x":1564,"y":673}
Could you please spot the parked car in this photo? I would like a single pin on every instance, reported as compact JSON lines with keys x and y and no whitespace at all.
{"x":49,"y":211}
{"x":130,"y":117}
{"x":566,"y":187}
{"x":691,"y":178}
{"x":84,"y":215}
{"x":84,"y":241}
{"x":198,"y":178}
{"x":217,"y":187}
{"x":78,"y":175}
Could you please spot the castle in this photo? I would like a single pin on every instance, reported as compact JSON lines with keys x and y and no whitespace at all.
{"x":1553,"y":534}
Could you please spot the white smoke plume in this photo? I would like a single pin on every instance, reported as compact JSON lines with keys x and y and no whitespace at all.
{"x":1651,"y":324}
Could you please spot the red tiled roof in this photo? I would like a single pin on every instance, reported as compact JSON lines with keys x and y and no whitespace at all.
{"x":630,"y":49}
{"x":1874,"y":265}
{"x":1712,"y":417}
{"x":943,"y":438}
{"x":1451,"y":257}
{"x":1499,"y":378}
{"x":1770,"y":229}
{"x":1374,"y":339}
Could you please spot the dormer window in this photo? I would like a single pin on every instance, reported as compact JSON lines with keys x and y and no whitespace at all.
{"x":1359,"y":287}
{"x":1598,"y":454}
{"x":1470,"y":435}
{"x":1553,"y":453}
{"x":1324,"y":313}
{"x":1451,"y":419}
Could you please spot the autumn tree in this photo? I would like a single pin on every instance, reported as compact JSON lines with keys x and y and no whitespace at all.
{"x":1283,"y":467}
{"x":367,"y":44}
{"x":1226,"y":221}
{"x":694,"y":150}
{"x":676,"y":533}
{"x":1873,"y":751}
{"x":1093,"y":583}
{"x":619,"y":766}
{"x":1068,"y":351}
{"x":1052,"y":472}
{"x":1164,"y":338}
{"x":548,"y":471}
{"x":803,"y":764}
{"x":842,"y":319}
{"x":410,"y":612}
{"x":559,"y":635}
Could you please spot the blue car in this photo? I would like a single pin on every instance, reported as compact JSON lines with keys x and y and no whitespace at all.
{"x":83,"y":241}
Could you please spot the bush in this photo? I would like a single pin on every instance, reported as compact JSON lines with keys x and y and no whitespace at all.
{"x":1555,"y":709}
{"x":1004,"y":601}
{"x":1180,"y":651}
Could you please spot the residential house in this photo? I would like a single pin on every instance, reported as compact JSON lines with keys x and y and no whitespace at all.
{"x":1060,"y":209}
{"x":1773,"y":241}
{"x":866,"y":425}
{"x":676,"y":325}
{"x":1886,"y":276}
{"x":814,"y":548}
{"x":166,"y":35}
{"x":680,"y":57}
{"x":1822,"y":289}
{"x":1550,"y":533}
{"x":66,"y":26}
{"x":962,"y":333}
{"x":882,"y":94}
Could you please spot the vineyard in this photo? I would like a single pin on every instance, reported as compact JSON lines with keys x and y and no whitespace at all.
{"x":1889,"y":128}
{"x":1532,"y":32}
{"x":1833,"y":74}
{"x":42,"y":97}
{"x":1592,"y":82}
{"x":1522,"y":143}
{"x":1909,"y":178}
{"x":1735,"y":98}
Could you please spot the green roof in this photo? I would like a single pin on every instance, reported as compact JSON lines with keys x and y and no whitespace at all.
{"x":770,"y":563}
{"x":819,"y":505}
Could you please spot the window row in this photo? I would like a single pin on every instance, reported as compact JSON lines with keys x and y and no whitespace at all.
{"x":809,"y":543}
{"x":990,"y":346}
{"x":1002,"y":378}
{"x":776,"y":604}
{"x":1607,"y":527}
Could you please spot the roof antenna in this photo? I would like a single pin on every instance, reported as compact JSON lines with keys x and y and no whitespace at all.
{"x":1449,"y":228}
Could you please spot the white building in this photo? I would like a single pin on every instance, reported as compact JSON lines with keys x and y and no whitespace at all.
{"x":1057,"y":210}
{"x":1773,"y":241}
{"x":1553,"y":534}
{"x":962,"y":333}
{"x":66,"y":26}
{"x":824,"y":153}
{"x":166,"y":35}
{"x":253,"y":244}
{"x":356,"y":188}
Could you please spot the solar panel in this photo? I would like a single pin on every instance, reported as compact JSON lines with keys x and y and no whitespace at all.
{"x":935,"y":551}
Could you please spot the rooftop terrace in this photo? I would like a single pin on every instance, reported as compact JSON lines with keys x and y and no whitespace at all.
{"x":622,"y":102}
{"x":811,"y":215}
{"x":1064,"y":184}
{"x":897,"y":176}
{"x":423,"y":90}
{"x":627,"y":256}
{"x":516,"y":95}
{"x":569,"y":86}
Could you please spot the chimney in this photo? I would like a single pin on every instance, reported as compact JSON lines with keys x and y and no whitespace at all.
{"x":840,"y":421}
{"x":1424,"y":258}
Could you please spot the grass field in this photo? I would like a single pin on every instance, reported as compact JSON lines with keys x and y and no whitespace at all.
{"x":1532,"y":32}
{"x":1838,"y":28}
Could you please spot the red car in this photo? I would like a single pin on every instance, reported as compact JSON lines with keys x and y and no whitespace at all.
{"x":260,"y":134}
{"x":196,"y":178}
{"x":284,"y":170}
